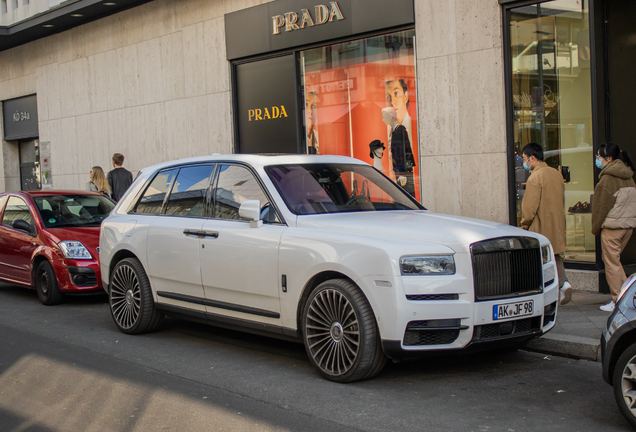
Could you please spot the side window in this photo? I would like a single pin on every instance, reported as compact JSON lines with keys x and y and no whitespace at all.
{"x":237,"y":184}
{"x":152,"y":200}
{"x":188,"y":193}
{"x":16,"y":209}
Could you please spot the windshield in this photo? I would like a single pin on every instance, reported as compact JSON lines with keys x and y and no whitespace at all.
{"x":58,"y":211}
{"x":337,"y":188}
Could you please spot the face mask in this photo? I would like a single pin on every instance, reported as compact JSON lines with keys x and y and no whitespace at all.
{"x":525,"y":165}
{"x":599,"y":164}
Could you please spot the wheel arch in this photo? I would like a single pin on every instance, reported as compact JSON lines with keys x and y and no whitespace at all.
{"x":34,"y":267}
{"x":312,"y":283}
{"x":119,"y":255}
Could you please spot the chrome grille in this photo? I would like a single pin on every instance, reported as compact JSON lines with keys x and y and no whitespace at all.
{"x":507,"y":267}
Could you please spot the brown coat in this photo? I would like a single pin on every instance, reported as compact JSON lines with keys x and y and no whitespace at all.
{"x":542,"y":208}
{"x":615,"y":181}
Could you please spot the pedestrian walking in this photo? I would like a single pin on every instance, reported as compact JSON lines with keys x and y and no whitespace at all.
{"x":98,"y":182}
{"x":614,"y":212}
{"x":542,"y":209}
{"x":119,"y":179}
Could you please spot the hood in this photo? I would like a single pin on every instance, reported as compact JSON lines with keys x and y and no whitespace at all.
{"x":617,"y":168}
{"x":89,"y":236}
{"x":456,"y":232}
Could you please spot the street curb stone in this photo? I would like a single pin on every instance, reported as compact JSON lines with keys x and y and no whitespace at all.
{"x":577,"y":347}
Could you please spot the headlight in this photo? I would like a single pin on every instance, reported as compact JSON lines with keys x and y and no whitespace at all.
{"x":74,"y":250}
{"x":546,"y":254}
{"x":630,"y":280}
{"x":428,"y":265}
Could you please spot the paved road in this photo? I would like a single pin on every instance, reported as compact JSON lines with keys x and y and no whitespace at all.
{"x":67,"y":368}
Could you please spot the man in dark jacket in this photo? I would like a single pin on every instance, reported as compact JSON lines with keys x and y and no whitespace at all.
{"x":120,"y":178}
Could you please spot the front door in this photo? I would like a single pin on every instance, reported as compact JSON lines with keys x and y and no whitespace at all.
{"x":30,"y":165}
{"x":239,"y":264}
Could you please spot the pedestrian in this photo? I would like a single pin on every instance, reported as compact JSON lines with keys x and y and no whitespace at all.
{"x":98,"y":182}
{"x":614,"y":212}
{"x":119,"y":179}
{"x":542,"y":209}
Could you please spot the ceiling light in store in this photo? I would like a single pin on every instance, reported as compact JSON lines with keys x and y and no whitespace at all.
{"x":48,"y":25}
{"x":110,"y":4}
{"x":77,"y":15}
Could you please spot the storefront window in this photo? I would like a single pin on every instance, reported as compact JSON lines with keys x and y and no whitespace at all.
{"x":552,"y":103}
{"x":360,"y":101}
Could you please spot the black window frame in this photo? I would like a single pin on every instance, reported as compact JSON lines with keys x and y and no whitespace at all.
{"x":4,"y":205}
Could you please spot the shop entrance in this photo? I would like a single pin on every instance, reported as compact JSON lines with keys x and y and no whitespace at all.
{"x":620,"y":92}
{"x":30,"y":165}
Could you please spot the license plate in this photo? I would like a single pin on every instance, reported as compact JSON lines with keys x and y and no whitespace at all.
{"x":512,"y":310}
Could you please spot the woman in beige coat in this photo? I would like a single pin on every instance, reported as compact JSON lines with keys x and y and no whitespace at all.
{"x":542,"y":209}
{"x":614,"y":212}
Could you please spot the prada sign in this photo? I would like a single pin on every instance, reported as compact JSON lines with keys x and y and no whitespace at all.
{"x":322,"y":15}
{"x":266,"y":106}
{"x":285,"y":24}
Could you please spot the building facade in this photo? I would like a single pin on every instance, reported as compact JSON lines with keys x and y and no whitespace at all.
{"x":450,"y":90}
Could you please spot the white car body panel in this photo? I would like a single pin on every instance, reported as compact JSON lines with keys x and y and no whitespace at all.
{"x":244,"y":265}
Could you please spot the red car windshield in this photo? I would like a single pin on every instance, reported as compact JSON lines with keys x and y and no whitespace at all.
{"x":58,"y":211}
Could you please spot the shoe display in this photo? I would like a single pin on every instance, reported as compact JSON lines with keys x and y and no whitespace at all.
{"x":608,"y":307}
{"x":580,"y":208}
{"x":565,"y":293}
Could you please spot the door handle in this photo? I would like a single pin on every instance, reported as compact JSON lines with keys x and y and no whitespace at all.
{"x":201,"y":233}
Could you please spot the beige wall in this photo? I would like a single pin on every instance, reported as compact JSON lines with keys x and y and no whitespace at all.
{"x":153,"y":83}
{"x":461,"y":108}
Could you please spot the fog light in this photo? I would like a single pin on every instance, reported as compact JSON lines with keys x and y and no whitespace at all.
{"x":80,"y":280}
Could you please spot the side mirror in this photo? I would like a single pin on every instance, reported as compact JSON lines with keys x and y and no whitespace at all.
{"x":251,"y":209}
{"x":22,"y":225}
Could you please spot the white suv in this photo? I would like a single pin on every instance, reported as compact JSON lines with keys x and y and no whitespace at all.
{"x":325,"y":250}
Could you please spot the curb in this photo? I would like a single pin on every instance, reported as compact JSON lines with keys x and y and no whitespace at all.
{"x":580,"y":348}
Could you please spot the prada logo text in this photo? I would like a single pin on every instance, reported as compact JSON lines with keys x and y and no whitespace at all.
{"x":291,"y":21}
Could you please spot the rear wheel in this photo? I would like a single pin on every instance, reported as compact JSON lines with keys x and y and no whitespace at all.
{"x":624,"y":382}
{"x":340,"y":332}
{"x":130,"y":298}
{"x":46,"y":285}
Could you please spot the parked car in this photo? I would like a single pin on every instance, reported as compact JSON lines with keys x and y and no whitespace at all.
{"x":325,"y":250}
{"x":49,"y":241}
{"x":618,"y":350}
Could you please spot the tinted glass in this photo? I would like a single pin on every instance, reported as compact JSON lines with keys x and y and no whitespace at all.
{"x":336,"y":188}
{"x":237,"y":184}
{"x":16,"y":209}
{"x":152,"y":200}
{"x":188,"y":193}
{"x":59,"y":211}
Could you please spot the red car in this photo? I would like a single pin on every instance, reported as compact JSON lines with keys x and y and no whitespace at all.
{"x":49,"y":240}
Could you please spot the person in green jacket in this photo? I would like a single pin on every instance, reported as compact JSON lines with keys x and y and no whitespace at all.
{"x":614,"y":212}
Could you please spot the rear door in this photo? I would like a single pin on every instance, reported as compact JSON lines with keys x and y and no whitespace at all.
{"x":174,"y":236}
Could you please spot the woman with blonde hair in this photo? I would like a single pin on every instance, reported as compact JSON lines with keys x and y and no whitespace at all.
{"x":98,"y":182}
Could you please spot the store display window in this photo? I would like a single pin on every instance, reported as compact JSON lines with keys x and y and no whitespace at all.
{"x":552,"y":106}
{"x":360,"y":100}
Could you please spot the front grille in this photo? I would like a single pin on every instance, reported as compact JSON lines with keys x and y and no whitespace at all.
{"x":506,"y":267}
{"x":507,"y":328}
{"x":432,"y":332}
{"x":433,"y":297}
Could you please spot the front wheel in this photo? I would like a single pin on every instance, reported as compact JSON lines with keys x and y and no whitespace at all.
{"x":46,"y":285}
{"x":624,"y":382}
{"x":130,"y":298}
{"x":340,"y":332}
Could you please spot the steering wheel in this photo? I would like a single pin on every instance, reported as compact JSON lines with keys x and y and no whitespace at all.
{"x":358,"y":198}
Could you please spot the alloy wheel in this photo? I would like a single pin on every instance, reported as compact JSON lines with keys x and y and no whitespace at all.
{"x":628,"y":385}
{"x":333,"y":332}
{"x":125,"y":296}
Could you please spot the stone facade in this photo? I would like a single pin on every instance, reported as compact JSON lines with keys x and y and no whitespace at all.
{"x":153,"y":83}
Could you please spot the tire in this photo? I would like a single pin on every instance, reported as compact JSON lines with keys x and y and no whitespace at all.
{"x":340,"y":333}
{"x":130,"y":298}
{"x":624,"y":382}
{"x":46,"y":285}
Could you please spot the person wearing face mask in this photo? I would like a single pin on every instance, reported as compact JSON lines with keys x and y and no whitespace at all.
{"x":542,"y":209}
{"x":614,"y":212}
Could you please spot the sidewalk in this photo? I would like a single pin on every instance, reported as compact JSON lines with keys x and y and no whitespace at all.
{"x":578,"y":328}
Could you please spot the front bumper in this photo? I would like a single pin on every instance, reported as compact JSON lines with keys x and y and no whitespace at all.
{"x":78,"y":276}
